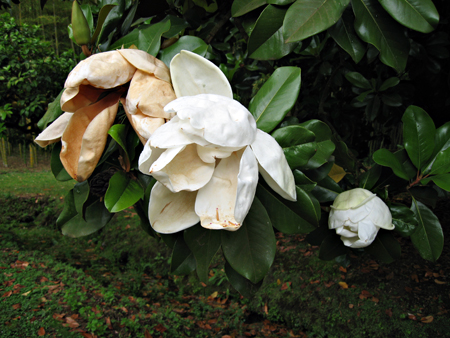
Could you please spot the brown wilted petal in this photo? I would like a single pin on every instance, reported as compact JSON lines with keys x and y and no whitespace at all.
{"x":85,"y":137}
{"x":146,"y":63}
{"x":75,"y":98}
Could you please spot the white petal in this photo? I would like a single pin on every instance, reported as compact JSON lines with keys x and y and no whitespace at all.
{"x":223,"y":121}
{"x":353,"y":198}
{"x":192,"y":74}
{"x":273,"y":165}
{"x":342,"y":231}
{"x":169,"y":212}
{"x":145,"y":125}
{"x":182,"y":169}
{"x":367,"y":231}
{"x":354,"y":242}
{"x":148,"y":156}
{"x":176,"y":133}
{"x":381,"y":215}
{"x":246,"y":186}
{"x":216,"y":201}
{"x":210,"y":153}
{"x":54,"y":131}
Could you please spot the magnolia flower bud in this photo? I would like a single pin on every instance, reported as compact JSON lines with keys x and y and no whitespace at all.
{"x":80,"y":27}
{"x":357,"y":215}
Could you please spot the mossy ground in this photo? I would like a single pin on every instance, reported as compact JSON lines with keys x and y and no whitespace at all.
{"x":116,"y":283}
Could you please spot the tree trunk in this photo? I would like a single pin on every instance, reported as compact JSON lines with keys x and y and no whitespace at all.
{"x":56,"y":29}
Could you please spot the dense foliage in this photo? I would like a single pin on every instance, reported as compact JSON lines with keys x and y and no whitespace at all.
{"x":31,"y":75}
{"x":369,"y":73}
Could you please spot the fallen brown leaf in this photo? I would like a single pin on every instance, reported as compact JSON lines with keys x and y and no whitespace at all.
{"x":343,"y":285}
{"x":427,"y":319}
{"x":41,"y":331}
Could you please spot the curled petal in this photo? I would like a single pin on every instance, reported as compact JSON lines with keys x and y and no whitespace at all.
{"x":367,"y":231}
{"x":148,"y":156}
{"x":176,"y":133}
{"x":193,"y":75}
{"x":354,"y":242}
{"x":53,"y":132}
{"x":182,"y":169}
{"x":146,"y":63}
{"x":169,"y":212}
{"x":148,"y":95}
{"x":224,"y":202}
{"x":222,"y":121}
{"x":210,"y":153}
{"x":75,"y":98}
{"x":85,"y":136}
{"x":144,"y":125}
{"x":273,"y":165}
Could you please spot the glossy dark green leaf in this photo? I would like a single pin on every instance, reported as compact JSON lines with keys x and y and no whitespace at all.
{"x":370,"y":177}
{"x":126,"y":41}
{"x":320,"y":173}
{"x":129,"y":19}
{"x":240,"y":283}
{"x":408,"y":166}
{"x":428,"y":237}
{"x":373,"y":108}
{"x":88,"y":15}
{"x":324,"y":146}
{"x":251,"y":249}
{"x":442,"y":181}
{"x":392,"y":99}
{"x":240,"y":7}
{"x":96,"y":217}
{"x":123,"y":192}
{"x":387,"y":159}
{"x":404,"y":220}
{"x":303,"y":181}
{"x":52,"y":113}
{"x":266,"y":41}
{"x":183,"y":260}
{"x":389,"y":83}
{"x":317,"y":236}
{"x":280,"y":2}
{"x":140,"y":209}
{"x":276,"y":98}
{"x":177,"y":25}
{"x":187,"y":42}
{"x":343,"y":156}
{"x":418,"y":135}
{"x":385,"y":247}
{"x":57,"y":167}
{"x":204,"y":244}
{"x":298,"y":144}
{"x":102,"y":15}
{"x":420,"y":15}
{"x":80,"y":195}
{"x":301,"y":216}
{"x":358,"y":80}
{"x":441,"y":144}
{"x":69,"y":210}
{"x":119,"y":134}
{"x":149,"y":39}
{"x":426,"y":195}
{"x":332,"y":247}
{"x":345,"y":36}
{"x":326,"y":190}
{"x":375,"y":26}
{"x":306,"y":18}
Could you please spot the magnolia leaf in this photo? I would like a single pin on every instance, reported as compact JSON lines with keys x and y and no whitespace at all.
{"x":251,"y":250}
{"x":240,"y":7}
{"x":96,"y":217}
{"x":420,"y":15}
{"x":187,"y":42}
{"x":122,"y":193}
{"x":376,"y":27}
{"x":403,"y":218}
{"x":308,"y":17}
{"x":57,"y":167}
{"x":276,"y":98}
{"x":80,"y":195}
{"x":240,"y":283}
{"x":418,"y":135}
{"x":127,"y":41}
{"x":337,"y":173}
{"x":441,"y":144}
{"x":389,"y":83}
{"x":303,"y":181}
{"x":343,"y":157}
{"x":53,"y":112}
{"x":387,"y":159}
{"x":442,"y":181}
{"x":358,"y":80}
{"x":345,"y":36}
{"x":325,"y":147}
{"x":298,"y":144}
{"x":149,"y":39}
{"x":385,"y":247}
{"x":204,"y":244}
{"x":183,"y":260}
{"x":100,"y":21}
{"x":301,"y":216}
{"x":332,"y":247}
{"x":326,"y":190}
{"x":428,"y":237}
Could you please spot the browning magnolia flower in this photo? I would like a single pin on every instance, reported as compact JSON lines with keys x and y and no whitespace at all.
{"x":91,"y":99}
{"x":206,"y":159}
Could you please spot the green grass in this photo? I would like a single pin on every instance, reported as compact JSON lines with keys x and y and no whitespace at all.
{"x":116,"y":283}
{"x":41,"y":183}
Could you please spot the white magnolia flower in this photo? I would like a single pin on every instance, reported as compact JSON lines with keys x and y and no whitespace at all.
{"x":206,"y":159}
{"x":357,"y":215}
{"x":91,"y":99}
